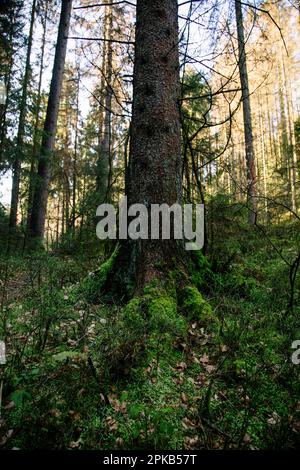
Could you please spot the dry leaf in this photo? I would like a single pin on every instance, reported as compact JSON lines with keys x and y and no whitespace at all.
{"x":274,"y":419}
{"x":210,"y":368}
{"x":181,"y":366}
{"x":119,"y":441}
{"x":191,"y":441}
{"x":75,"y":415}
{"x":9,"y":405}
{"x":75,"y":444}
{"x":7,"y":436}
{"x":55,"y":412}
{"x":188,"y":424}
{"x":184,"y":398}
{"x":204,"y":359}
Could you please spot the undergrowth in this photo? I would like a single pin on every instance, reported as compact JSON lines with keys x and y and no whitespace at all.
{"x":203,"y":367}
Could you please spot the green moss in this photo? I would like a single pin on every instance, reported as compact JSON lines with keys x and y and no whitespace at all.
{"x":164,"y":316}
{"x":105,"y":269}
{"x":201,"y":271}
{"x":195,"y":306}
{"x":157,"y":311}
{"x":159,"y":287}
{"x":161,"y":301}
{"x":133,"y":314}
{"x":93,"y":285}
{"x":165,"y":304}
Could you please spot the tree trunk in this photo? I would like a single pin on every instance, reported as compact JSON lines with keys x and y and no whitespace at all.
{"x":264,"y":160}
{"x":12,"y":11}
{"x":74,"y":183}
{"x":105,"y":142}
{"x":248,"y":132}
{"x":101,"y":106}
{"x":34,"y":154}
{"x":39,"y":209}
{"x":21,"y":129}
{"x":154,"y":173}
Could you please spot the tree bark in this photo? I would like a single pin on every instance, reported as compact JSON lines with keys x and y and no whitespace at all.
{"x":264,"y":160}
{"x":7,"y":56}
{"x":16,"y":169}
{"x":39,"y":209}
{"x":105,"y":140}
{"x":154,"y":172}
{"x":248,"y":132}
{"x":34,"y":154}
{"x":74,"y":183}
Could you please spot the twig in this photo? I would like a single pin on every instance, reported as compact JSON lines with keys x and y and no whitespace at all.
{"x":100,"y":39}
{"x":105,"y":5}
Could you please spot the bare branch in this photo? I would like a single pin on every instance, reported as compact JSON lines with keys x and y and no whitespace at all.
{"x":262,"y":10}
{"x":101,"y":39}
{"x":105,"y":4}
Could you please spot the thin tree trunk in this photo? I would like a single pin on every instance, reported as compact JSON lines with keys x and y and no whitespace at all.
{"x":105,"y":145}
{"x":34,"y":155}
{"x":21,"y":129}
{"x":74,"y":183}
{"x":286,"y":146}
{"x":67,"y":201}
{"x":63,"y":207}
{"x":8,"y":75}
{"x":57,"y":224}
{"x":285,"y":106}
{"x":39,"y":209}
{"x":263,"y":154}
{"x":292,"y":153}
{"x":101,"y":99}
{"x":248,"y":132}
{"x":272,"y":136}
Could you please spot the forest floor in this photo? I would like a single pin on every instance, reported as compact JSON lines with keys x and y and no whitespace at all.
{"x":72,"y":381}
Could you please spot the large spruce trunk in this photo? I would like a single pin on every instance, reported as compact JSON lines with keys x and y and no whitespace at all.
{"x":154,"y":173}
{"x":39,"y":208}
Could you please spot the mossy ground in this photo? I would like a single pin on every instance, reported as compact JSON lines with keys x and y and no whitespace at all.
{"x":175,"y":368}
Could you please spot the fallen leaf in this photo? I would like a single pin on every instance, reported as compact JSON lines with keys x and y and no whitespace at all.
{"x":204,"y":359}
{"x":210,"y":368}
{"x":7,"y":436}
{"x":184,"y":398}
{"x":119,"y":441}
{"x":181,"y":366}
{"x":75,"y":444}
{"x":55,"y":412}
{"x":191,"y":441}
{"x":188,"y":424}
{"x":9,"y":405}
